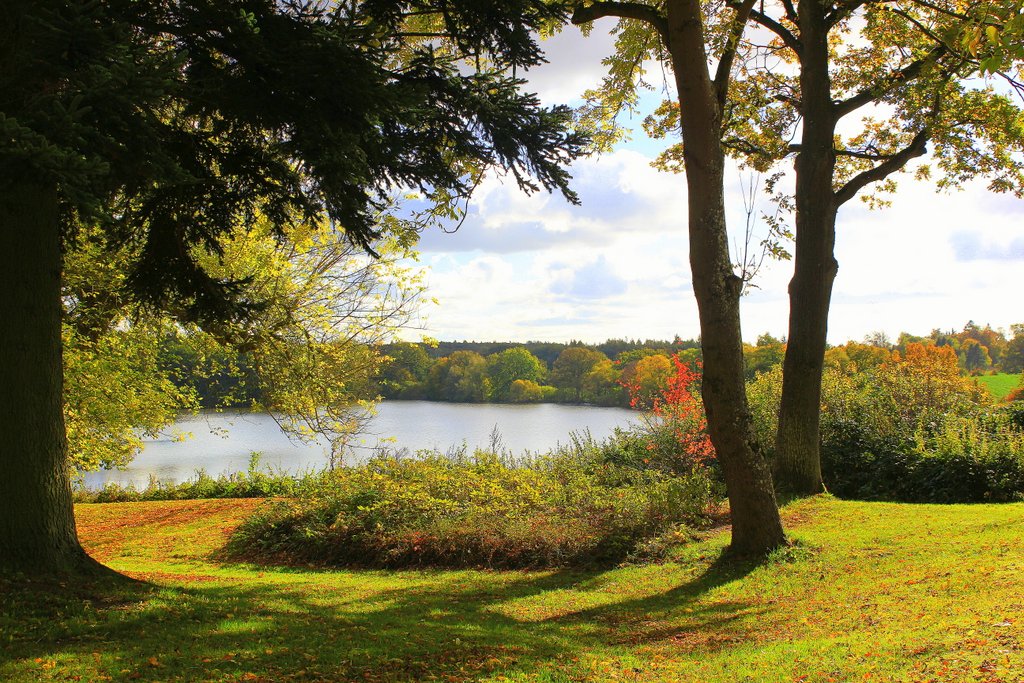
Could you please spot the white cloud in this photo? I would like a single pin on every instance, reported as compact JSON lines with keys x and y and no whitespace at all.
{"x":620,"y":193}
{"x":974,"y":246}
{"x":596,"y":280}
{"x":574,"y":64}
{"x":534,"y":267}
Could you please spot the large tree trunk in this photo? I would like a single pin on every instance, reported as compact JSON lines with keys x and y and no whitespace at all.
{"x":798,"y":440}
{"x":37,"y":523}
{"x":756,"y":526}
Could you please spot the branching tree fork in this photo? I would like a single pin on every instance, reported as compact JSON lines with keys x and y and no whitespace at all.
{"x":867,"y":86}
{"x":912,"y":61}
{"x":703,"y":96}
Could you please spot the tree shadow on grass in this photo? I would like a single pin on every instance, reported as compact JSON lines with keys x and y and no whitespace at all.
{"x":330,"y":626}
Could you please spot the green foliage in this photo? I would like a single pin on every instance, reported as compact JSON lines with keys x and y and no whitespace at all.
{"x":854,"y":357}
{"x":404,"y":370}
{"x":1013,"y":358}
{"x":959,"y":460}
{"x":461,"y":377}
{"x":646,"y":378}
{"x":602,"y":385}
{"x":585,"y":504}
{"x":117,"y":384}
{"x":526,"y":391}
{"x":512,"y":365}
{"x":308,"y":353}
{"x":327,"y":308}
{"x":570,"y":369}
{"x":163,"y":132}
{"x":412,"y":370}
{"x":767,"y":354}
{"x":114,"y":394}
{"x":910,"y":430}
{"x":764,"y":393}
{"x":220,"y":375}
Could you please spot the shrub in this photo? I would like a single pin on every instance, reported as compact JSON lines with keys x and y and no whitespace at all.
{"x":912,"y":429}
{"x":524,"y":391}
{"x":576,"y":506}
{"x":675,"y":426}
{"x":763,"y":395}
{"x":255,"y":482}
{"x":959,"y":460}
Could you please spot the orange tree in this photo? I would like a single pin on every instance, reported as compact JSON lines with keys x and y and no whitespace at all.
{"x":678,"y":429}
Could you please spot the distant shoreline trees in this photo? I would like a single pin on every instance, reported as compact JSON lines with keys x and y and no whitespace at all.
{"x":511,"y":372}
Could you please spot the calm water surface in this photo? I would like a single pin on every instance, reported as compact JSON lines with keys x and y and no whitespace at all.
{"x":221,"y":442}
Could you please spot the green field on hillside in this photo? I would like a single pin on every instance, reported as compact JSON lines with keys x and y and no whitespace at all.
{"x":878,"y":592}
{"x":1001,"y":384}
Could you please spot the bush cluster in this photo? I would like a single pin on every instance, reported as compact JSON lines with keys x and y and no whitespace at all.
{"x":255,"y":482}
{"x":585,"y":504}
{"x":901,"y":433}
{"x":955,"y":460}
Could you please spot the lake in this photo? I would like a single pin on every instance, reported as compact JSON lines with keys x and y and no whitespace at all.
{"x":221,"y":442}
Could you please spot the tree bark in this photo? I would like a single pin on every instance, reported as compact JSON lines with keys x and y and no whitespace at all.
{"x":798,"y":440}
{"x":37,"y":523}
{"x":756,"y":526}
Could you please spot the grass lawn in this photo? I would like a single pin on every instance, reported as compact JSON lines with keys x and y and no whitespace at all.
{"x":872,"y":592}
{"x":1001,"y":384}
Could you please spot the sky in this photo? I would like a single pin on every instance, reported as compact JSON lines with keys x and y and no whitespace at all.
{"x":537,"y":268}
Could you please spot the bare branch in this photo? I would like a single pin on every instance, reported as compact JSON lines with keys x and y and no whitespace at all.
{"x":1018,"y":86}
{"x":875,"y":91}
{"x":790,"y":11}
{"x":787,"y":37}
{"x":746,"y":147}
{"x":860,"y":154}
{"x":794,"y":102}
{"x":842,"y":11}
{"x":724,"y":70}
{"x":945,"y":10}
{"x":624,"y":10}
{"x":920,"y":27}
{"x":917,"y":147}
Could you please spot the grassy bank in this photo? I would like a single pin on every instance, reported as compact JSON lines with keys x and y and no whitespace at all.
{"x":879,"y":592}
{"x":999,"y":385}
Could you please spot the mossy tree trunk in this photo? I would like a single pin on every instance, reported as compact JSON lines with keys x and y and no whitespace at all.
{"x":37,"y":523}
{"x":756,"y":525}
{"x":798,"y":440}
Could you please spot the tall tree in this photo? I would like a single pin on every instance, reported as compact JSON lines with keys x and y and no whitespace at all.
{"x":571,"y":367}
{"x":1013,"y":358}
{"x":812,"y":73}
{"x":169,"y":123}
{"x":676,"y":31}
{"x":460,"y":377}
{"x":517,"y":363}
{"x":920,"y":60}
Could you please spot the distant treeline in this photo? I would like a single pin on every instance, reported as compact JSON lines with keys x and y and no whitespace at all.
{"x":509,"y":372}
{"x":574,"y":372}
{"x":599,"y":374}
{"x":549,"y":351}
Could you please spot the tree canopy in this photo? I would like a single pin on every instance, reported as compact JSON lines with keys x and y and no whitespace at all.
{"x":173,"y":122}
{"x":851,"y":93}
{"x":170,"y":124}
